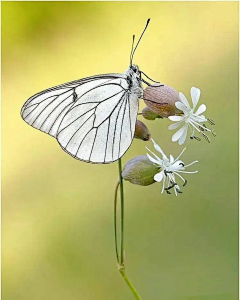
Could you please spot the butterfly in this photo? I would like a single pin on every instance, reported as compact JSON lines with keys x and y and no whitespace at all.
{"x":93,"y":119}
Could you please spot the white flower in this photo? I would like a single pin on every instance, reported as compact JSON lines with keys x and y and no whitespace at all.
{"x":190,"y":119}
{"x":169,"y":168}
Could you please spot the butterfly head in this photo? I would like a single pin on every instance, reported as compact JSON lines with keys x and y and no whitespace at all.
{"x":135,"y":68}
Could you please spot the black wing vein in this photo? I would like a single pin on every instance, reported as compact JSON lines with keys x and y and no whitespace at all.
{"x":114,"y":135}
{"x":121,"y":128}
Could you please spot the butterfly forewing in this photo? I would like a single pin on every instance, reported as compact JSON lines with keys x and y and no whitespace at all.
{"x":93,"y":119}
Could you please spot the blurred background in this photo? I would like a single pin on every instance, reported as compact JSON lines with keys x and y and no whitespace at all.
{"x":57,"y":212}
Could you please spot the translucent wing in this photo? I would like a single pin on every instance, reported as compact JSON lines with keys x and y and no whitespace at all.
{"x":93,"y":119}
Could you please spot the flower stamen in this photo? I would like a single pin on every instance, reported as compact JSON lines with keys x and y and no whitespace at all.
{"x":206,"y":137}
{"x":184,"y":180}
{"x":201,"y":127}
{"x":211,"y":121}
{"x":214,"y":132}
{"x":167,"y":172}
{"x":203,"y":134}
{"x":171,"y":186}
{"x":195,"y":137}
{"x":179,"y":191}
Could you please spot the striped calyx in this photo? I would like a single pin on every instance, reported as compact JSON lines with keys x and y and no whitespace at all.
{"x":161,"y":100}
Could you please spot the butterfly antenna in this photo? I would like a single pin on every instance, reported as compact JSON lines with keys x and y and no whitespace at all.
{"x":139,"y":40}
{"x":149,"y":77}
{"x":132,"y":51}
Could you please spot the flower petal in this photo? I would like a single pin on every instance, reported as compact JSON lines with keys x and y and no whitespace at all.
{"x":199,"y":119}
{"x":178,"y":134}
{"x":181,"y":106}
{"x":176,"y":118}
{"x":191,"y":163}
{"x":159,"y":176}
{"x":201,"y":109}
{"x":174,"y":125}
{"x":183,"y":136}
{"x":194,"y":172}
{"x":184,"y":100}
{"x":195,"y":94}
{"x":180,"y":154}
{"x":157,"y":157}
{"x":171,"y":159}
{"x":158,"y":148}
{"x":163,"y":186}
{"x":155,"y":161}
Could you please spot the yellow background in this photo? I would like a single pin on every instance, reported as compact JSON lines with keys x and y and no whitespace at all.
{"x":57,"y":212}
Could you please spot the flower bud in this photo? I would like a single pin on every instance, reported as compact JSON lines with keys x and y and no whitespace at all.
{"x":141,"y":131}
{"x":148,"y":114}
{"x":140,"y":170}
{"x":161,"y":99}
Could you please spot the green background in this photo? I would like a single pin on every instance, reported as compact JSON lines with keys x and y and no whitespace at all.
{"x":57,"y":212}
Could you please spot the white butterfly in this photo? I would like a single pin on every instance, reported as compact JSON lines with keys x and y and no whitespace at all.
{"x":93,"y":119}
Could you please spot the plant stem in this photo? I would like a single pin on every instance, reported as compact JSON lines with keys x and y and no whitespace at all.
{"x":122,"y":213}
{"x":132,"y":288}
{"x":121,"y":266}
{"x":115,"y":221}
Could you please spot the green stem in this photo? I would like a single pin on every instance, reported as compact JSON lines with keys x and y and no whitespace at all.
{"x":132,"y":288}
{"x":122,"y":213}
{"x":121,"y":266}
{"x":115,"y":221}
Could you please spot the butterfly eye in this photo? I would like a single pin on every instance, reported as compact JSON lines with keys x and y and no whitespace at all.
{"x":134,"y":68}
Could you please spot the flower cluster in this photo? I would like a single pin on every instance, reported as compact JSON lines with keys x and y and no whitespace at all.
{"x":164,"y":102}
